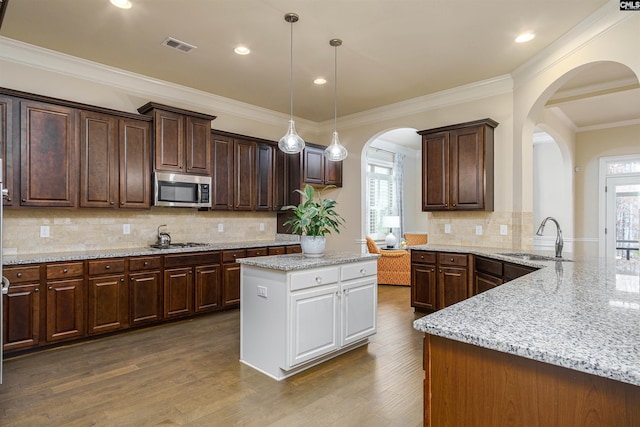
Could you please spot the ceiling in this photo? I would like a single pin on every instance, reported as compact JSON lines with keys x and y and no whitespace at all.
{"x":392,"y":50}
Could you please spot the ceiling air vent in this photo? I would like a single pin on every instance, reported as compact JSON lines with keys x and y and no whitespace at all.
{"x":177,"y":44}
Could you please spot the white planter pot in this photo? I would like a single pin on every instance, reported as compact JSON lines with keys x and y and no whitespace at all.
{"x":313,"y":246}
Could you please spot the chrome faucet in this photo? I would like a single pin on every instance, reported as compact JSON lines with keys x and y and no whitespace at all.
{"x":559,"y":242}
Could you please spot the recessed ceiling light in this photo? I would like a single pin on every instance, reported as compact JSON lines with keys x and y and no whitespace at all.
{"x":242,"y":50}
{"x":525,"y":37}
{"x":122,"y":4}
{"x":320,"y":81}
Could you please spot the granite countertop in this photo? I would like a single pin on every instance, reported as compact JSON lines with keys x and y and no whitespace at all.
{"x":582,"y":315}
{"x":143,"y":250}
{"x":300,"y":262}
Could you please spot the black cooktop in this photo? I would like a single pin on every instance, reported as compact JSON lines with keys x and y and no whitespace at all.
{"x":178,"y":245}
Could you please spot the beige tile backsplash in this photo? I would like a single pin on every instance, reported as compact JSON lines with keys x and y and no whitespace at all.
{"x":90,"y":229}
{"x":463,"y":229}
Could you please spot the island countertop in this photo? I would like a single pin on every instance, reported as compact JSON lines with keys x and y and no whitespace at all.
{"x":582,"y":315}
{"x":301,"y":262}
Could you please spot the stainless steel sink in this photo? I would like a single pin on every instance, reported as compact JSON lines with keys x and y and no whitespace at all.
{"x":532,"y":257}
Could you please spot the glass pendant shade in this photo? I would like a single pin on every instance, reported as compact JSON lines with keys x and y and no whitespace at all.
{"x":291,"y":143}
{"x":336,"y":151}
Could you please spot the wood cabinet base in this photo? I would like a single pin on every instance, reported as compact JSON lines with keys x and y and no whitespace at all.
{"x":467,"y":385}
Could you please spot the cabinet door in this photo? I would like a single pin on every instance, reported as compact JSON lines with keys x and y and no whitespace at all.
{"x":135,"y":164}
{"x":453,"y":286}
{"x":467,"y":168}
{"x":359,"y":307}
{"x":178,"y":292}
{"x":231,"y":285}
{"x":169,"y":141}
{"x":423,"y":286}
{"x":333,"y":173}
{"x":222,"y":171}
{"x":207,"y":287}
{"x":108,"y":304}
{"x":314,"y":323}
{"x":146,"y":297}
{"x":313,"y":166}
{"x":435,"y":166}
{"x":244,"y":194}
{"x":198,"y":146}
{"x":65,"y":309}
{"x":98,"y":157}
{"x":483,"y":282}
{"x":6,"y":146}
{"x":21,"y":317}
{"x":280,"y":180}
{"x":265,"y":177}
{"x":48,"y":150}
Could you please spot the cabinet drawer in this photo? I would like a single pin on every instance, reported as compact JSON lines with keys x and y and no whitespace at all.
{"x":276,"y":250}
{"x":295,"y":249}
{"x":423,"y":257}
{"x":69,"y":269}
{"x":256,"y":252}
{"x":145,"y":263}
{"x":231,"y":256}
{"x":459,"y":260}
{"x":311,"y":278}
{"x":361,"y":269}
{"x":104,"y":266}
{"x":22,"y":274}
{"x":489,"y":266}
{"x":193,"y":258}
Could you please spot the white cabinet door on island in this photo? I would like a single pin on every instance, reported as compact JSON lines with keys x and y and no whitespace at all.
{"x":294,"y":319}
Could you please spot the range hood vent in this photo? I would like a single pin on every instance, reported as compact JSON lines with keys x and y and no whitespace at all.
{"x":179,"y":45}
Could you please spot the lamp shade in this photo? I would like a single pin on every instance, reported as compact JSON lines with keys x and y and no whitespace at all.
{"x":391,"y":221}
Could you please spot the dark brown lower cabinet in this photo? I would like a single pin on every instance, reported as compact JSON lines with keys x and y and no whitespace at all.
{"x":178,"y":292}
{"x":108,"y":296}
{"x":207,"y":288}
{"x":145,"y":296}
{"x":194,"y":282}
{"x":65,"y":309}
{"x":438,"y":280}
{"x":231,"y":277}
{"x":21,"y":320}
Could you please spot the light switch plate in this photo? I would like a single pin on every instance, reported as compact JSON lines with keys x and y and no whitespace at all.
{"x":220,"y":228}
{"x":503,"y":230}
{"x":262,"y":292}
{"x":262,"y":226}
{"x":478,"y":230}
{"x":126,"y":229}
{"x":447,"y":229}
{"x":44,"y":231}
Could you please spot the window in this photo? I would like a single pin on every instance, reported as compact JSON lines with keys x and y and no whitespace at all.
{"x":382,"y":198}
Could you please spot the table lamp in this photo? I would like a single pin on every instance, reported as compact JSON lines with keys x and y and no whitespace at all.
{"x":391,"y":222}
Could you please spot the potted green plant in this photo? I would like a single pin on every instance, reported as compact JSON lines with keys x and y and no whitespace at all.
{"x":312,"y":219}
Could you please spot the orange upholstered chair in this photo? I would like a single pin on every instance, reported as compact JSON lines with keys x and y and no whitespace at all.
{"x":394,"y":266}
{"x":414,"y":239}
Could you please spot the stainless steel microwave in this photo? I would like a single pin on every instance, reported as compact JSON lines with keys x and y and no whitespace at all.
{"x":180,"y":190}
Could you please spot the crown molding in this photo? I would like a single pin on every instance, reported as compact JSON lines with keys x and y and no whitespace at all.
{"x":458,"y":95}
{"x":60,"y":63}
{"x":600,"y":22}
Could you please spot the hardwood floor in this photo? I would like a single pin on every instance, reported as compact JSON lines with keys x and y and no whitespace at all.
{"x":187,"y":374}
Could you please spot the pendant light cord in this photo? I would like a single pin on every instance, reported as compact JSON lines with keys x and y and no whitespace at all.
{"x":291,"y":68}
{"x":335,"y":88}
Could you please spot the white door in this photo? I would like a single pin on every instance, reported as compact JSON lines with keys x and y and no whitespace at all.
{"x":359,"y":301}
{"x":622,"y":218}
{"x":314,"y":323}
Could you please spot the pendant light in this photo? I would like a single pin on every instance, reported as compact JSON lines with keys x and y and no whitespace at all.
{"x":335,"y":152}
{"x":291,"y":143}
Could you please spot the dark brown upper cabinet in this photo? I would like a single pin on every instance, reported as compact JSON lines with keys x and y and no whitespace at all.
{"x":317,"y":170}
{"x":114,"y":162}
{"x":457,"y":167}
{"x":181,"y":139}
{"x":48,"y":153}
{"x":234,"y":173}
{"x":6,"y":146}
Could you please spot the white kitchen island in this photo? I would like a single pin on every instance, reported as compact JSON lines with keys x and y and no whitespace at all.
{"x":297,"y":312}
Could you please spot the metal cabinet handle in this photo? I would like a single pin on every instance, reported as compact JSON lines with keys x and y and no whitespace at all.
{"x":24,"y":200}
{"x":145,"y":263}
{"x":36,"y":290}
{"x":19,"y":275}
{"x":454,"y":205}
{"x":112,"y":203}
{"x":122,"y":279}
{"x":5,"y":286}
{"x":363,"y":271}
{"x":451,"y":260}
{"x":318,"y":279}
{"x":65,"y":271}
{"x":50,"y":288}
{"x":107,"y":267}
